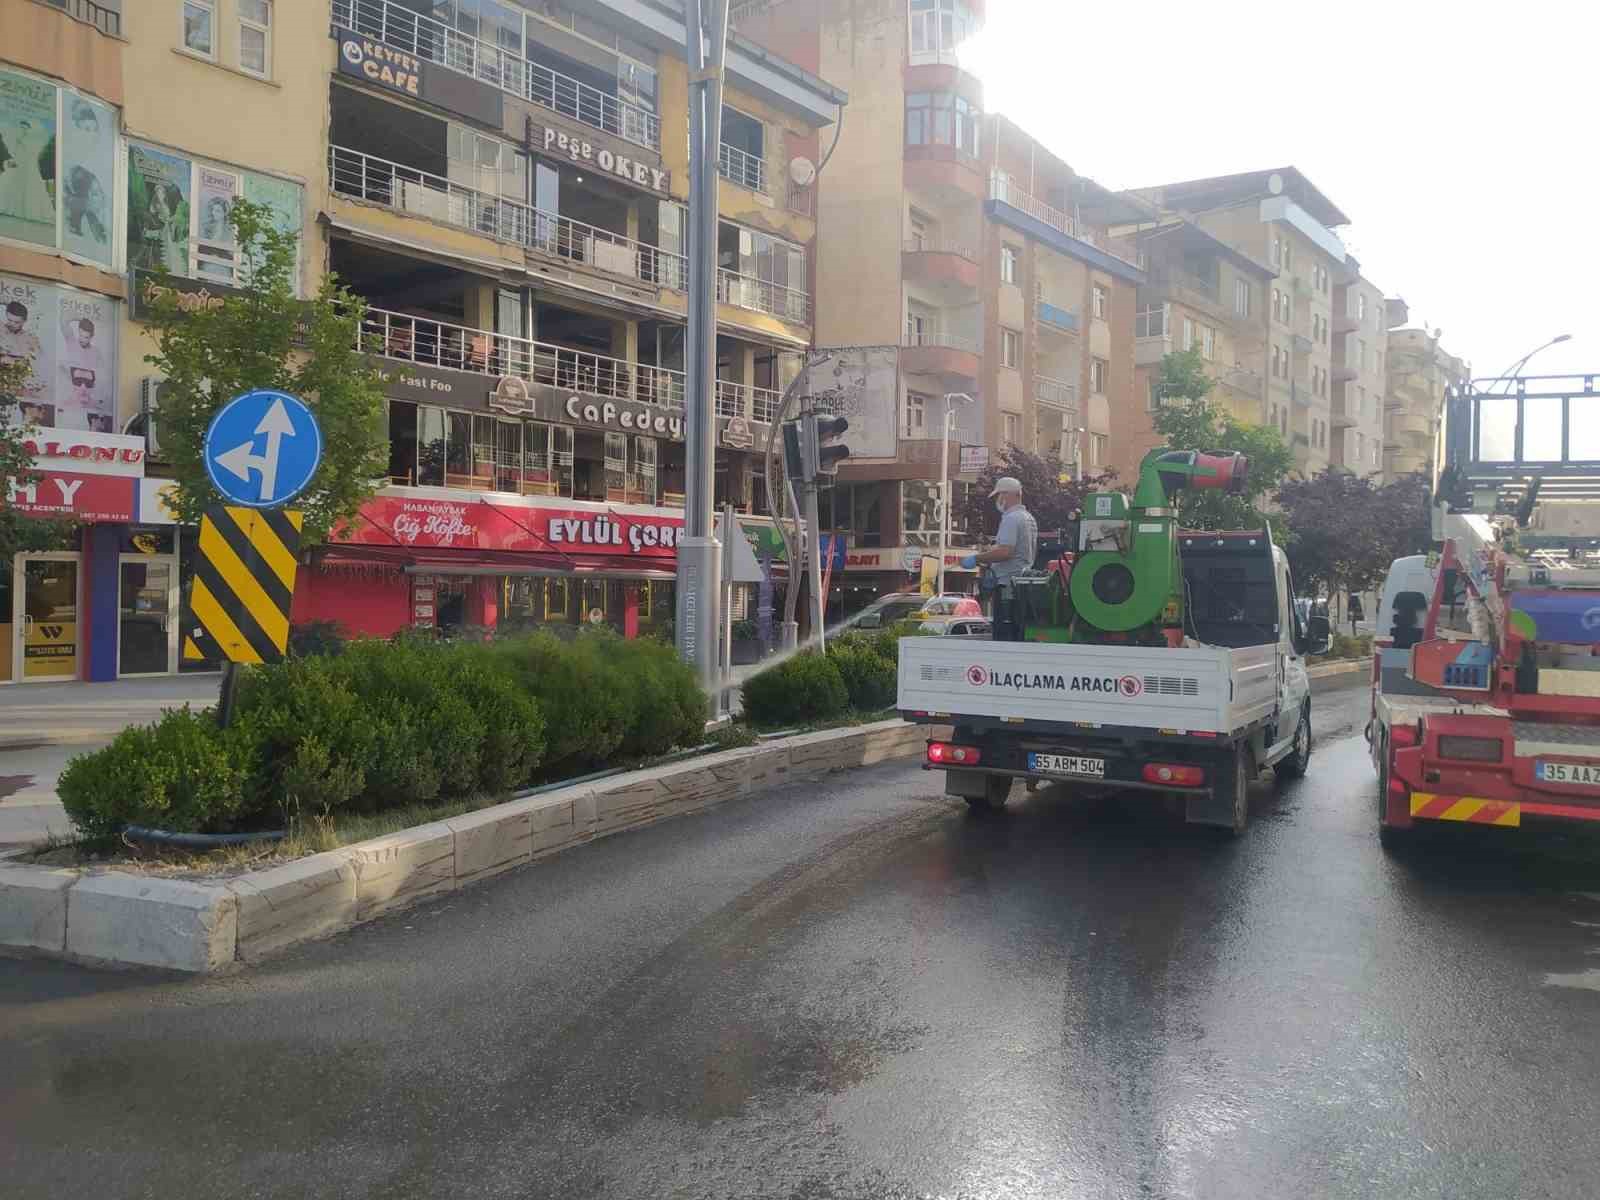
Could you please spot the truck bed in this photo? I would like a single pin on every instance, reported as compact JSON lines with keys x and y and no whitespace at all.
{"x":1209,"y":689}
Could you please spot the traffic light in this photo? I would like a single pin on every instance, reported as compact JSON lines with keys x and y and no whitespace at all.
{"x":823,"y":459}
{"x":794,"y":459}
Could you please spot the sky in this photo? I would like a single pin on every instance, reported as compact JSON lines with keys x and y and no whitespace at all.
{"x":1459,"y":138}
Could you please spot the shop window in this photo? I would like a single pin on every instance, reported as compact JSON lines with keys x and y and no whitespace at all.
{"x":59,"y":188}
{"x":642,"y":473}
{"x":402,"y":442}
{"x":557,"y":602}
{"x":432,"y":445}
{"x":616,"y":465}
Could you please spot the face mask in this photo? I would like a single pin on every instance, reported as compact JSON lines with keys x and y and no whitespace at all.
{"x":1000,"y":507}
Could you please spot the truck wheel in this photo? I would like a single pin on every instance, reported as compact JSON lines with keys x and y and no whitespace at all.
{"x":1236,"y":781}
{"x":996,"y":789}
{"x":1294,"y":766}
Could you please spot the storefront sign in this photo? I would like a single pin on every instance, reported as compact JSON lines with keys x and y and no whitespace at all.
{"x":737,"y":433}
{"x":77,"y":495}
{"x":190,"y":295}
{"x":429,"y":385}
{"x":482,"y":525}
{"x":50,"y":650}
{"x":560,"y":143}
{"x":899,"y":558}
{"x":974,"y":459}
{"x":65,"y":341}
{"x":644,"y":418}
{"x":395,"y":70}
{"x":88,"y":453}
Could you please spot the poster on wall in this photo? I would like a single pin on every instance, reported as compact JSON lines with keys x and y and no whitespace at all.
{"x":215,"y":250}
{"x":283,"y":199}
{"x":68,"y":339}
{"x":88,"y":166}
{"x":27,"y":159}
{"x":860,"y":383}
{"x":158,"y":210}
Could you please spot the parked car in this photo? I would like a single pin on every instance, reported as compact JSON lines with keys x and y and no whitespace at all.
{"x":963,"y":626}
{"x":901,"y":606}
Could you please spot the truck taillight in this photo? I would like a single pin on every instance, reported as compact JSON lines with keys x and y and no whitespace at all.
{"x":1471,"y":749}
{"x":1175,"y":774}
{"x":945,"y":754}
{"x":1404,"y":735}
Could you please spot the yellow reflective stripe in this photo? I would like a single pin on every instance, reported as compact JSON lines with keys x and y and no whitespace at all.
{"x":273,"y":623}
{"x":258,"y":532}
{"x":219,"y":624}
{"x":1461,"y":809}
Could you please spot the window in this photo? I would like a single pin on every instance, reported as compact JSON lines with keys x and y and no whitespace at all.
{"x":1097,"y":449}
{"x":1008,"y":348}
{"x":1361,"y":448}
{"x":1241,"y":297}
{"x":1208,"y":342}
{"x":1277,"y":251}
{"x":1277,"y":361}
{"x":1288,"y":255}
{"x":919,"y":238}
{"x":1151,"y":321}
{"x":1155,"y":393}
{"x":197,"y":18}
{"x":1277,"y":298}
{"x":1377,"y":448}
{"x":1008,"y":264}
{"x":1361,"y":307}
{"x":1012,"y":424}
{"x":1288,"y":308}
{"x":922,"y":324}
{"x":1188,"y":334}
{"x":744,"y":150}
{"x":917,"y":414}
{"x":1102,"y":302}
{"x":255,"y":36}
{"x":1098,"y":374}
{"x":943,"y":119}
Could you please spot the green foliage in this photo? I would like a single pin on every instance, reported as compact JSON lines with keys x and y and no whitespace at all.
{"x":267,"y":338}
{"x":805,"y":687}
{"x":1197,"y":425}
{"x":1183,"y":378}
{"x":869,"y":678}
{"x":177,"y":773}
{"x":20,"y":533}
{"x":746,"y":631}
{"x":317,"y":637}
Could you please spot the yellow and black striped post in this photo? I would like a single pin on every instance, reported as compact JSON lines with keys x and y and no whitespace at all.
{"x":243,"y":586}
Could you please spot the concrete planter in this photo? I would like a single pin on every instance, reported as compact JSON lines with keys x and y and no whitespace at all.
{"x":122,"y":918}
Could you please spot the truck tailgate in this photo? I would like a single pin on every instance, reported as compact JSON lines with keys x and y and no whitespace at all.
{"x":1205,"y":689}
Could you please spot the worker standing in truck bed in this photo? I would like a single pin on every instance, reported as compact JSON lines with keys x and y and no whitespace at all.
{"x":1015,"y":546}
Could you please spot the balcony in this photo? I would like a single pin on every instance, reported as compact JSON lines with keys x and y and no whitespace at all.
{"x":1345,"y":323}
{"x":1052,"y":317}
{"x":435,"y":42}
{"x":951,"y":357}
{"x":941,"y":263}
{"x":1415,"y":424}
{"x":418,"y":193}
{"x":432,"y":343}
{"x":1339,"y":417}
{"x":1004,"y":191}
{"x":1151,"y":349}
{"x":1343,"y":372}
{"x":774,"y":299}
{"x":742,"y":168}
{"x":106,"y":17}
{"x":1172,"y":283}
{"x":1056,"y":393}
{"x":736,"y":399}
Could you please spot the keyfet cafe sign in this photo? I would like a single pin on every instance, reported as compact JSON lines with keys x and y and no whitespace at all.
{"x":517,"y":397}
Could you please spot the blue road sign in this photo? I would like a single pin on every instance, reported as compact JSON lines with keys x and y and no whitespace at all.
{"x":262,"y":449}
{"x":834,"y":548}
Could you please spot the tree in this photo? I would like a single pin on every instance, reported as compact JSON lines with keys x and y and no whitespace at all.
{"x":1052,"y":502}
{"x":20,"y":532}
{"x":1344,"y":531}
{"x":1187,"y":421}
{"x":263,"y":337}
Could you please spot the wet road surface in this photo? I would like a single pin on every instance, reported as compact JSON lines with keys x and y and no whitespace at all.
{"x":855,"y":990}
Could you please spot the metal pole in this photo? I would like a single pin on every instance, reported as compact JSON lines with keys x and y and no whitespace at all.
{"x":814,"y":562}
{"x":699,"y":553}
{"x":791,"y":593}
{"x":944,"y":493}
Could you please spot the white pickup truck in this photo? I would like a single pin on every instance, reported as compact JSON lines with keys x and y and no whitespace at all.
{"x":1199,"y":720}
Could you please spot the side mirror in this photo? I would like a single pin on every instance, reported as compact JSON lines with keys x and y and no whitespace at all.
{"x":1318,"y":636}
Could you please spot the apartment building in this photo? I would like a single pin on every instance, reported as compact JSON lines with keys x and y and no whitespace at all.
{"x":1418,"y":370}
{"x":978,"y":258}
{"x":1361,"y":318}
{"x":505,"y":185}
{"x":1278,"y":217}
{"x":1200,"y":294}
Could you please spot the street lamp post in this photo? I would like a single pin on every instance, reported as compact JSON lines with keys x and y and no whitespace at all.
{"x":1511,"y":371}
{"x":944,"y":479}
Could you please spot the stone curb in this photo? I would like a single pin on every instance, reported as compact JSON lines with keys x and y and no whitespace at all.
{"x":116,"y":918}
{"x":1340,"y":668}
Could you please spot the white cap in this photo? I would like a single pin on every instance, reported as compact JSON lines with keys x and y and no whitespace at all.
{"x":1006,"y":483}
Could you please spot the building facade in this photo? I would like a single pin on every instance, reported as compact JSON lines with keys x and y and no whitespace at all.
{"x":1418,"y":370}
{"x":1361,"y":318}
{"x":975,"y":262}
{"x":505,"y":185}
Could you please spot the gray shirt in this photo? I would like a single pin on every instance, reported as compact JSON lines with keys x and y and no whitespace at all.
{"x":1020,"y":531}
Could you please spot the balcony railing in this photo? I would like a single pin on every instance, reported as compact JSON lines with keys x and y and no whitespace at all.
{"x":1055,"y":393}
{"x":735,"y":399}
{"x":379,"y":181}
{"x":746,"y":291}
{"x":107,"y":18}
{"x":460,"y":348}
{"x":1005,"y":190}
{"x":927,"y":245}
{"x":1056,"y":317}
{"x":947,"y":341}
{"x":395,"y":25}
{"x":743,"y":168}
{"x":764,"y":407}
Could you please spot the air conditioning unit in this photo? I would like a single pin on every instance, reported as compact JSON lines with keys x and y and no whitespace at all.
{"x":146,"y":422}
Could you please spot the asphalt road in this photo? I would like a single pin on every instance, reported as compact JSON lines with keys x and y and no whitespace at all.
{"x":853,"y":989}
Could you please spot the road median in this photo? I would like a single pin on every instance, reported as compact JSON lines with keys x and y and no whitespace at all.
{"x":109,"y":917}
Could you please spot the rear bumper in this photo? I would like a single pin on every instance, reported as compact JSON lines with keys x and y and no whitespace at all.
{"x":1137,"y":785}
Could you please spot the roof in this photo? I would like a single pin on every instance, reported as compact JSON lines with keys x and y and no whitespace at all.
{"x":1192,"y":235}
{"x":1201,"y":194}
{"x":1098,"y":204}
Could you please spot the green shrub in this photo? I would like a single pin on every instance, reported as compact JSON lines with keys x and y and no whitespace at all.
{"x":806,"y":687}
{"x":513,"y":727}
{"x":869,"y":679}
{"x":317,"y":638}
{"x":178,"y":774}
{"x":668,"y":707}
{"x":579,"y":694}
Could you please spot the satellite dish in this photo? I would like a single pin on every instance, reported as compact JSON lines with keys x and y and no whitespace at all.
{"x":1275,"y":184}
{"x":802,"y":170}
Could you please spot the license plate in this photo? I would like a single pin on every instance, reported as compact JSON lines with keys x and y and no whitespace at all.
{"x":1565,"y":772}
{"x":1067,"y":764}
